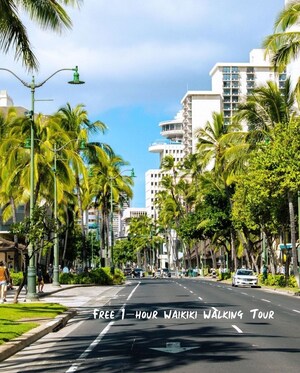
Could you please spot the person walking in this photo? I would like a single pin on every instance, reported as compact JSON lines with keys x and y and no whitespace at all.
{"x":50,"y":273}
{"x":40,"y":279}
{"x":4,"y":279}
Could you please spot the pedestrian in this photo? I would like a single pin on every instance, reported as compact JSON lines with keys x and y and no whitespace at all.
{"x":4,"y":280}
{"x":40,"y":279}
{"x":50,"y":272}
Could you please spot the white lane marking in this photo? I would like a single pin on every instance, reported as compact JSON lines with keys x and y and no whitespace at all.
{"x":191,"y":292}
{"x":214,"y":308}
{"x":237,"y":329}
{"x":200,"y":298}
{"x":131,"y":294}
{"x":266,"y":300}
{"x":76,"y":365}
{"x":96,"y":341}
{"x":244,"y":293}
{"x":296,"y":311}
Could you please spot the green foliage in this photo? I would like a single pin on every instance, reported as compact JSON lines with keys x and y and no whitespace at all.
{"x":278,"y":280}
{"x":225,"y":275}
{"x":16,"y":277}
{"x":38,"y":229}
{"x":124,"y":252}
{"x":98,"y":276}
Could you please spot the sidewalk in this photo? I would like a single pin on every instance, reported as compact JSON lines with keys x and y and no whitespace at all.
{"x":46,"y":326}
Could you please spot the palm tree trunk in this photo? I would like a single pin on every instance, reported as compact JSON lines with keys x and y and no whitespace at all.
{"x":233,"y":251}
{"x":81,"y":221}
{"x":293,"y":237}
{"x":16,"y":240}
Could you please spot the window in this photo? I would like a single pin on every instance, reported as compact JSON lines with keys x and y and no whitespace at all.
{"x":226,"y":84}
{"x":226,"y":69}
{"x":226,"y":77}
{"x":235,"y":76}
{"x":282,"y":77}
{"x":235,"y":69}
{"x":226,"y":91}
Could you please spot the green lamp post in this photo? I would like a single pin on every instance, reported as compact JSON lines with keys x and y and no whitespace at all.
{"x":31,"y":274}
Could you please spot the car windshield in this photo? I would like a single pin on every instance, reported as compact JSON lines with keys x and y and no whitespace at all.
{"x":245,"y":272}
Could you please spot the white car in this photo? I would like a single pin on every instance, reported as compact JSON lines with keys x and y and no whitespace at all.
{"x":244,"y":277}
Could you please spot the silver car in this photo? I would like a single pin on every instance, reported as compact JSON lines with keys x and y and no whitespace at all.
{"x":244,"y":277}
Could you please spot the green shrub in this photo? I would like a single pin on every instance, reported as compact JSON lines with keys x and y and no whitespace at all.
{"x":98,"y":276}
{"x":278,"y":280}
{"x":225,"y":275}
{"x":16,"y":277}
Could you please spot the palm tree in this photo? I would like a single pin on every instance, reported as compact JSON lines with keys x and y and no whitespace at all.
{"x":75,"y":122}
{"x":13,"y":33}
{"x":284,"y":44}
{"x":264,"y":108}
{"x":216,"y":145}
{"x":108,"y":185}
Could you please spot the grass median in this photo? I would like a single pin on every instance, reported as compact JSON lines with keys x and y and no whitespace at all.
{"x":17,"y":319}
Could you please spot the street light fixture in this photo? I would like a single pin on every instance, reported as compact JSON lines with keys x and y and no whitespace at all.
{"x":31,"y":274}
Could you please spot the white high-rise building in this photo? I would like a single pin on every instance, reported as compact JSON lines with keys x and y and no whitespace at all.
{"x":234,"y":81}
{"x":231,"y":83}
{"x":198,"y":107}
{"x":173,"y":132}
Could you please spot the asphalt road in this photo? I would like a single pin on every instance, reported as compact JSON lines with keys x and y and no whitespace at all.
{"x":172,"y":325}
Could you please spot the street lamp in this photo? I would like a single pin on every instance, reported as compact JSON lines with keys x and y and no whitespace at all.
{"x":31,"y":274}
{"x":111,"y":179}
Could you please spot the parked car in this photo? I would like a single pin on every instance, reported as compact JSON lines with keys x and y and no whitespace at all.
{"x":157,"y":273}
{"x":165,"y":272}
{"x":138,"y":272}
{"x":244,"y":277}
{"x":127,"y":271}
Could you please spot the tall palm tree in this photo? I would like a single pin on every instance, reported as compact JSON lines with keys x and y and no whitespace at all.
{"x":13,"y":33}
{"x":108,"y":184}
{"x":214,"y":142}
{"x":75,"y":122}
{"x":264,"y":108}
{"x":284,"y":44}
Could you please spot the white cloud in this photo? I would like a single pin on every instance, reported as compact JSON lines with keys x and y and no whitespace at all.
{"x":123,"y":47}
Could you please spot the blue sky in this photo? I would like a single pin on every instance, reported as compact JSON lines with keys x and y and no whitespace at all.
{"x":138,"y":59}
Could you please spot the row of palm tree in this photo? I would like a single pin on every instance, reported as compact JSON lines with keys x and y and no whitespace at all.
{"x":204,"y":198}
{"x":88,"y":176}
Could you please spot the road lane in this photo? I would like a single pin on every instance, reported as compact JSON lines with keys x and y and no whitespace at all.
{"x":174,"y":325}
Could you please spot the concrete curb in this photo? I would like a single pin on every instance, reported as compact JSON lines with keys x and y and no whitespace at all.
{"x":17,"y":344}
